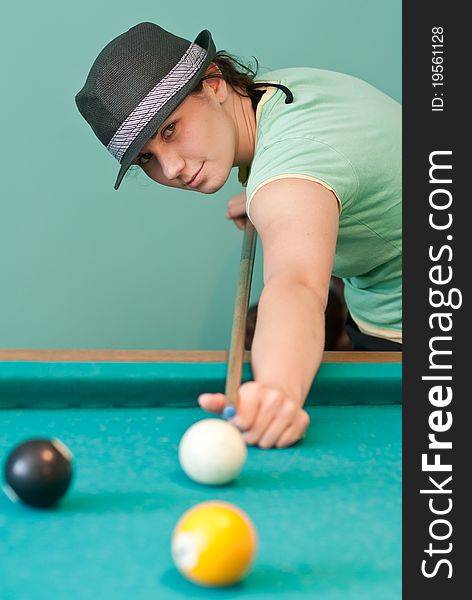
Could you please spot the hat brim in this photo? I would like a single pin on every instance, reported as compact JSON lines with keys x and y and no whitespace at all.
{"x":205,"y":41}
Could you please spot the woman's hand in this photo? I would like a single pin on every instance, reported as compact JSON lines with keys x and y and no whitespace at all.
{"x":237,"y":210}
{"x":266,"y":416}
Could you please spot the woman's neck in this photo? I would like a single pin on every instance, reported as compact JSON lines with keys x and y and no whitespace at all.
{"x":244,"y":117}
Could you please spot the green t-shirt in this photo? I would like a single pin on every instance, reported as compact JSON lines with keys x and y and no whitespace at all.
{"x":345,"y":134}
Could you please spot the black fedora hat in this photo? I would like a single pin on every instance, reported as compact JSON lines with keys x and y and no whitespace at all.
{"x":136,"y":82}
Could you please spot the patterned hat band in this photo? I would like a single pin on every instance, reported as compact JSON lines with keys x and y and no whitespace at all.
{"x":152,"y":103}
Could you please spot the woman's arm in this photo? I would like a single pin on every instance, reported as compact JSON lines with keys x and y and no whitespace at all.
{"x":297,"y":221}
{"x":287,"y":355}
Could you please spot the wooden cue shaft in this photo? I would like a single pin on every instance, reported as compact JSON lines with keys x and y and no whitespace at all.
{"x":238,"y":332}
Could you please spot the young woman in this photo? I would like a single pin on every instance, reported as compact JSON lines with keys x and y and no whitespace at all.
{"x":319,"y":154}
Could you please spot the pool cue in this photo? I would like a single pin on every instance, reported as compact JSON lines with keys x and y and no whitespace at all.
{"x":238,"y":332}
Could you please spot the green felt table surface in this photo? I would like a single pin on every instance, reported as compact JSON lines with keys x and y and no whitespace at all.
{"x":327,"y":511}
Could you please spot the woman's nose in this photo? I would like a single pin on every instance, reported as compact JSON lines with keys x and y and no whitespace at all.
{"x":172,"y":166}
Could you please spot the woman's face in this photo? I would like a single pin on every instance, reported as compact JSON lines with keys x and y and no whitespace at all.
{"x":199,"y":137}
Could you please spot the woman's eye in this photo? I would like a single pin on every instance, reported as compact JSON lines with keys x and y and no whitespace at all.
{"x":144,"y":158}
{"x":170,"y":128}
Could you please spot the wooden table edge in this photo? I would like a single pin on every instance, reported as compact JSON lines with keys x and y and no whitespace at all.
{"x":191,"y":356}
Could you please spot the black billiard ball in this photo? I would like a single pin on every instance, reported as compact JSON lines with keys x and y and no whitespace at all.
{"x":39,"y":472}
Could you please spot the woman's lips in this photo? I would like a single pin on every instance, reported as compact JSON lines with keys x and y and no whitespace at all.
{"x":196,"y":180}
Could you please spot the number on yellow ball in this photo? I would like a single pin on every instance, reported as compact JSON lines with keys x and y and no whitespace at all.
{"x":214,"y":544}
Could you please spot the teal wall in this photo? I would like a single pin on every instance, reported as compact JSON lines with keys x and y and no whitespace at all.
{"x":83,"y":266}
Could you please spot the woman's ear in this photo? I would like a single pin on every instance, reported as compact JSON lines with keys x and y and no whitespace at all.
{"x":213,"y":79}
{"x":213,"y":69}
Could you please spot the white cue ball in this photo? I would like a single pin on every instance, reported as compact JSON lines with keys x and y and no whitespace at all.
{"x":212,"y":451}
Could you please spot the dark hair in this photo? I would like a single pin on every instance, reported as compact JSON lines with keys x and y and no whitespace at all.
{"x":235,"y":73}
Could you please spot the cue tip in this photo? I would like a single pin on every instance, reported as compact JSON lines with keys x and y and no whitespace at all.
{"x":229,"y":412}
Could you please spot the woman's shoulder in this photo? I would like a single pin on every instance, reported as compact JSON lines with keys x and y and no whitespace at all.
{"x":305,"y":73}
{"x":310,"y":84}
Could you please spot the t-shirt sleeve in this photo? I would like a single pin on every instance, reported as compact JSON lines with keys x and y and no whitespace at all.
{"x":305,"y":158}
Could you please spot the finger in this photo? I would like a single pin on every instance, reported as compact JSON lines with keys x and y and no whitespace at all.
{"x":237,"y":202}
{"x":270,"y":406}
{"x":286,"y":415}
{"x":249,"y":399}
{"x":240,"y":223}
{"x":295,"y":432}
{"x":213,"y":403}
{"x":236,"y":210}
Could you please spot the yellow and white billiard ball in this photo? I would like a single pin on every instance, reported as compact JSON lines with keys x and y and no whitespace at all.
{"x":212,"y":451}
{"x":214,"y":544}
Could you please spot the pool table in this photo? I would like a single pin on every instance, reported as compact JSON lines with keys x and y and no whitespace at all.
{"x":327,"y":510}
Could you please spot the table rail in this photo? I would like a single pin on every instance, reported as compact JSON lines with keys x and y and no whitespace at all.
{"x":92,"y":355}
